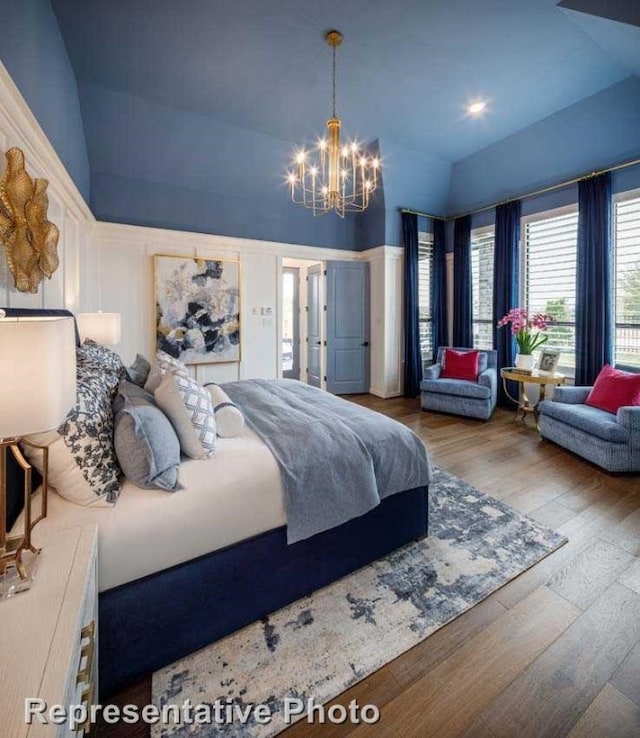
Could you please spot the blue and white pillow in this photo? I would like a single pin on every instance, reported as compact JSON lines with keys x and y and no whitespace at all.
{"x":100,"y":357}
{"x":229,"y":417}
{"x":83,"y":467}
{"x":188,"y":406}
{"x":163,"y":363}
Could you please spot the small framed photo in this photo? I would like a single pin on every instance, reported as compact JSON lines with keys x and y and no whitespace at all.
{"x":548,"y":360}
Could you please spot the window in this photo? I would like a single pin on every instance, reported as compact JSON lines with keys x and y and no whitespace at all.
{"x":425,"y":280}
{"x":627,"y":281}
{"x":549,"y":278}
{"x":482,"y":250}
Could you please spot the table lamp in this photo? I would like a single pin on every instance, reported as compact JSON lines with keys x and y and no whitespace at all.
{"x":37,"y":390}
{"x":104,"y":328}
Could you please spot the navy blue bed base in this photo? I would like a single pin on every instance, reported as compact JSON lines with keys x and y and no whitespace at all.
{"x":151,"y":622}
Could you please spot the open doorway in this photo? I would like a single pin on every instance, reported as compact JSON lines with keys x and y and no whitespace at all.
{"x":290,"y":356}
{"x":299,"y":279}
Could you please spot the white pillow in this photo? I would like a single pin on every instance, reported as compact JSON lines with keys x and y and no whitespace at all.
{"x":163,"y":363}
{"x":65,"y":476}
{"x":229,"y":418}
{"x":188,"y":406}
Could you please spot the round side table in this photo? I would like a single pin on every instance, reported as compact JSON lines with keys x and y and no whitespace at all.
{"x":542,"y":379}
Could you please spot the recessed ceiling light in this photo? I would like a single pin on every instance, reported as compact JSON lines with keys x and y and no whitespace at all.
{"x":476,"y":108}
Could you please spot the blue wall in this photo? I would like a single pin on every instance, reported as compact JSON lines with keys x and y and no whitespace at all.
{"x":370,"y":225}
{"x":594,"y":134}
{"x":154,"y":166}
{"x":623,"y":180}
{"x":35,"y":56}
{"x":412,"y":181}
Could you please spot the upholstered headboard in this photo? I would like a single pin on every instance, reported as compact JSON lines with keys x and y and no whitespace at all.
{"x":15,"y":475}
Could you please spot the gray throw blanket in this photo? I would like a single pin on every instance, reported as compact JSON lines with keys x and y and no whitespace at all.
{"x":337,"y":460}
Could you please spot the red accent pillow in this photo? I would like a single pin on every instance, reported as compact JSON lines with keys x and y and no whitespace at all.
{"x":460,"y":365}
{"x":614,"y":389}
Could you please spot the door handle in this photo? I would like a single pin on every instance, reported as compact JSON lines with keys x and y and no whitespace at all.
{"x":366,"y":343}
{"x":318,"y":343}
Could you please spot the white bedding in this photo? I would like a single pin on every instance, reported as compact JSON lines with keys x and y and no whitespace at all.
{"x":232,"y":496}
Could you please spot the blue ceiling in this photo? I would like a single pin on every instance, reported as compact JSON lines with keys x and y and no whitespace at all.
{"x":407,"y":69}
{"x":191,"y":108}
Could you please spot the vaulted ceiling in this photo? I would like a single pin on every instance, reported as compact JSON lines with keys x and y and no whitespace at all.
{"x":192,"y":108}
{"x":407,"y":69}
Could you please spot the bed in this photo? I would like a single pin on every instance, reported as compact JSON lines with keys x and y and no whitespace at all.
{"x":179,"y":571}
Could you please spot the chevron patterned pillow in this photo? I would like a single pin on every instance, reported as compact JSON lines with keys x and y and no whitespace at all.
{"x":188,"y":406}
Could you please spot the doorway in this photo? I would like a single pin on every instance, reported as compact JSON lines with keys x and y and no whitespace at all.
{"x":293,"y":306}
{"x":315,"y":314}
{"x":290,"y":348}
{"x":324,"y":324}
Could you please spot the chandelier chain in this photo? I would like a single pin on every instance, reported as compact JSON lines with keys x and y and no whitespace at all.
{"x":335,"y":85}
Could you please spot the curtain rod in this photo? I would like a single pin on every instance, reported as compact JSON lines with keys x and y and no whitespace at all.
{"x":419,"y":212}
{"x":551,"y":188}
{"x":528,"y":195}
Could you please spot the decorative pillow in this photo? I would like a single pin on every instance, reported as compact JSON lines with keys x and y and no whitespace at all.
{"x":82,"y":460}
{"x":614,"y":389}
{"x":229,"y":418}
{"x":188,"y":406}
{"x":128,"y":391}
{"x":460,"y":365}
{"x":93,"y":353}
{"x":147,"y":446}
{"x":138,"y":372}
{"x":163,"y":364}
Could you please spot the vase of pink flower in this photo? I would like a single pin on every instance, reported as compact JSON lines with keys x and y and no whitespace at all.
{"x":529,"y":332}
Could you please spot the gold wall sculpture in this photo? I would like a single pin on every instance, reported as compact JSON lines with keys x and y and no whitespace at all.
{"x":30,"y":241}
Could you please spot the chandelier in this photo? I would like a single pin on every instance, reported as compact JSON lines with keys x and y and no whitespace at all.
{"x":335,"y":176}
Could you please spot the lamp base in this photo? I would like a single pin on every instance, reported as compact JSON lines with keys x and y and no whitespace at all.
{"x":11,"y":582}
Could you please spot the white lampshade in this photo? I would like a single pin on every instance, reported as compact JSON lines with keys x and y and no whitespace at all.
{"x":102,"y":328}
{"x":37,"y":374}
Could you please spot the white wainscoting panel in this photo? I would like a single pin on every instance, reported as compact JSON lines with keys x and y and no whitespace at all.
{"x":120,"y":277}
{"x":394,"y":339}
{"x":387,"y":352}
{"x":377,"y":322}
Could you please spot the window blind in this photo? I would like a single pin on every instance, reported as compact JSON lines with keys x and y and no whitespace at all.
{"x":425,"y":277}
{"x":549,"y":284}
{"x":627,"y":282}
{"x":482,"y":256}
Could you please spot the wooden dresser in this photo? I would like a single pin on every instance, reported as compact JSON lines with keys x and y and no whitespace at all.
{"x":48,"y":635}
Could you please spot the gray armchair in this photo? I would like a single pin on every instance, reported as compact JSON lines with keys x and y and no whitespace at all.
{"x":610,"y":441}
{"x":460,"y":396}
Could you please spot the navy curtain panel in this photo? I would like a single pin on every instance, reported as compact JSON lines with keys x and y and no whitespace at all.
{"x":594,"y":304}
{"x":439,"y":289}
{"x":462,"y":306}
{"x":412,"y":357}
{"x":506,"y":287}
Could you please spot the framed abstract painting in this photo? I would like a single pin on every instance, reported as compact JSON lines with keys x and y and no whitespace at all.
{"x":197,"y":309}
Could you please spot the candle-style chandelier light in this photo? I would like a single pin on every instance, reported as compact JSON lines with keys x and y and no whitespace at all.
{"x":338,"y":177}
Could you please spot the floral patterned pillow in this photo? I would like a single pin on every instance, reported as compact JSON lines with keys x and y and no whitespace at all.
{"x":83,"y":467}
{"x":92,"y":353}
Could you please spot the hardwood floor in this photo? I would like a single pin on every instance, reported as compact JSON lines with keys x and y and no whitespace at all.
{"x":556,"y":652}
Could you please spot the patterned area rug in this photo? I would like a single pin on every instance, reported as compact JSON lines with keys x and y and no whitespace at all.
{"x":321,"y":645}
